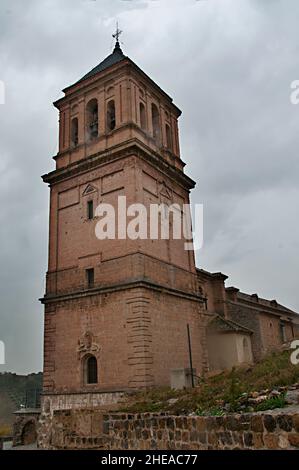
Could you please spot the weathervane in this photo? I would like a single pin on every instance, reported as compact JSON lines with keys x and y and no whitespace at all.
{"x":117,"y":33}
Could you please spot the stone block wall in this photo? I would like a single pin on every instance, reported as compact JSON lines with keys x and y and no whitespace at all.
{"x":25,"y":426}
{"x":278,"y":429}
{"x":93,"y":429}
{"x":69,"y":420}
{"x":72,"y":429}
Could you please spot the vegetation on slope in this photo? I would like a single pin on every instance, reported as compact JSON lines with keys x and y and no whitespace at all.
{"x":256,"y":388}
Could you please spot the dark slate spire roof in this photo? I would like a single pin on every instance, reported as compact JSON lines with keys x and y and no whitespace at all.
{"x":112,"y":59}
{"x":116,"y":57}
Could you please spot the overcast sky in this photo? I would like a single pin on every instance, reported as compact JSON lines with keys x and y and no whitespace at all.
{"x":228,"y":64}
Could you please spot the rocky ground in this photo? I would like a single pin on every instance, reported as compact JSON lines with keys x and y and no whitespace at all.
{"x":279,"y":397}
{"x":270,"y":384}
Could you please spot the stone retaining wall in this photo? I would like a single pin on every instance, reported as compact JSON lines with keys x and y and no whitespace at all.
{"x":278,"y":429}
{"x":69,"y":420}
{"x":93,"y":429}
{"x":25,"y":426}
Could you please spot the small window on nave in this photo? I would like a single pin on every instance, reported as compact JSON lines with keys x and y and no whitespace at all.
{"x":90,"y":278}
{"x":91,"y":370}
{"x":90,"y":214}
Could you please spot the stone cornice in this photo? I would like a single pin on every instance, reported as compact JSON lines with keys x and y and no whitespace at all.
{"x":137,"y":283}
{"x":211,"y":276}
{"x":132,"y":147}
{"x":131,"y":125}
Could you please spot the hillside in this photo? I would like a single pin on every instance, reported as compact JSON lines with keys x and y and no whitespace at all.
{"x":16,"y":390}
{"x":262,"y":386}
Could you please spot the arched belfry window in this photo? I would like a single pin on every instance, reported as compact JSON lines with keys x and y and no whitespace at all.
{"x":111,"y":121}
{"x":142,"y":116}
{"x":156,"y":123}
{"x":168,"y":137}
{"x":74,"y":132}
{"x":92,"y":119}
{"x":91,"y":370}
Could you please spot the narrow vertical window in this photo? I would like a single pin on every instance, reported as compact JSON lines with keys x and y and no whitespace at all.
{"x":90,"y":277}
{"x":283,"y":335}
{"x":156,"y":123}
{"x":142,"y":116}
{"x":92,"y":119}
{"x":74,"y":132}
{"x":90,"y":210}
{"x":91,"y":370}
{"x":111,"y":121}
{"x":168,"y":137}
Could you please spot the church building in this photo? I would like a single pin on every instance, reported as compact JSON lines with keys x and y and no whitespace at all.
{"x":120,"y":314}
{"x":123,"y":314}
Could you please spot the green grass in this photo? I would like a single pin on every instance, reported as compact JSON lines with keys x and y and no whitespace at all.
{"x":213,"y":393}
{"x":272,"y":403}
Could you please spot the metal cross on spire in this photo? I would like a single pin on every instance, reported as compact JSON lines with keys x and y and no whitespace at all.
{"x":117,"y":33}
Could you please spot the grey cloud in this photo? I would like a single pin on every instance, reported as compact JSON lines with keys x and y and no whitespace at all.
{"x":228,"y":64}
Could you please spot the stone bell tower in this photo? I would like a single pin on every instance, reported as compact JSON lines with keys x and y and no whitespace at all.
{"x":116,"y":310}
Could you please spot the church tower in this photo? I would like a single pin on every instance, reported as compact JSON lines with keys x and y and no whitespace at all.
{"x":117,"y":310}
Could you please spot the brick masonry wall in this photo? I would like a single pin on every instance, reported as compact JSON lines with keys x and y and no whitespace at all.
{"x":127,"y":92}
{"x":266,"y":328}
{"x":138,"y":337}
{"x":134,"y":333}
{"x":249,"y":318}
{"x":73,"y":245}
{"x":270,"y":331}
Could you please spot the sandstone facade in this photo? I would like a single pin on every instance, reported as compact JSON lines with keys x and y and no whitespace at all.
{"x":117,"y":310}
